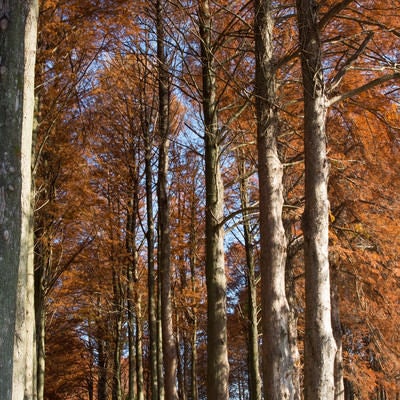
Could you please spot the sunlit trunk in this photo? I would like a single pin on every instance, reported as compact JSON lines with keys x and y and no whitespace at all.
{"x":278,"y":365}
{"x":18,"y":31}
{"x":319,"y":346}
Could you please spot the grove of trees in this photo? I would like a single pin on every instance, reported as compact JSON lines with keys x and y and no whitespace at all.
{"x":199,"y":200}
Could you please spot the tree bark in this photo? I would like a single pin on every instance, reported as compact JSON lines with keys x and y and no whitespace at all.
{"x":278,"y":366}
{"x":18,"y":30}
{"x":320,"y":347}
{"x":217,"y":352}
{"x":168,"y":339}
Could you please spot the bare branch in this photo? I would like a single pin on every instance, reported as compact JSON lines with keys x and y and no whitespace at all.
{"x":342,"y":72}
{"x":363,"y":88}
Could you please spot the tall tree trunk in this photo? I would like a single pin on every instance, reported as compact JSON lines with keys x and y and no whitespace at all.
{"x":160,"y":353}
{"x":151,"y":284}
{"x":193,"y":243}
{"x":278,"y":366}
{"x":132,"y":278}
{"x":139,"y":348}
{"x":319,"y":347}
{"x":254,"y":358}
{"x":168,"y":339}
{"x":217,"y":350}
{"x":130,"y":301}
{"x":118,"y":307}
{"x":18,"y":30}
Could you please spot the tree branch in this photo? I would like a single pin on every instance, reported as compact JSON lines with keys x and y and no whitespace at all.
{"x":363,"y":88}
{"x":342,"y":72}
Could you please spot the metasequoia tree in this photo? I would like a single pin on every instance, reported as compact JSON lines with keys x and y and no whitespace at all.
{"x":278,"y":365}
{"x":217,"y":347}
{"x":319,"y":346}
{"x":120,"y":114}
{"x":18,"y":30}
{"x":164,"y":247}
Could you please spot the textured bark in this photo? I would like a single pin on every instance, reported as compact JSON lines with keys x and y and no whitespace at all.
{"x":164,"y":259}
{"x":319,"y":347}
{"x":217,"y":352}
{"x":17,"y":319}
{"x":278,"y":366}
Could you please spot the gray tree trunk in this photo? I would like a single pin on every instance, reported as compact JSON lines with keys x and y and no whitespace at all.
{"x":278,"y":365}
{"x":168,"y":339}
{"x":320,"y":346}
{"x":217,"y":351}
{"x":18,"y":30}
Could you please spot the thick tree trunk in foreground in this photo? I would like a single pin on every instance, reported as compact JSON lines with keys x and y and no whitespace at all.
{"x":18,"y":27}
{"x":320,"y":347}
{"x":278,"y":366}
{"x":168,"y":339}
{"x":217,"y":351}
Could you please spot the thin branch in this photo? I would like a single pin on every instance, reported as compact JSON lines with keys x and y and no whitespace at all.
{"x":363,"y":88}
{"x":342,"y":72}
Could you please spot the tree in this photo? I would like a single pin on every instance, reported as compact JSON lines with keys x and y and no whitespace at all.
{"x":278,"y":366}
{"x":18,"y":30}
{"x":164,"y":259}
{"x":217,"y":347}
{"x":320,"y":346}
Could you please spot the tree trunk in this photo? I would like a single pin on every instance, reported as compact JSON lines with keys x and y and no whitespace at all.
{"x":278,"y":366}
{"x":139,"y":348}
{"x":160,"y":353}
{"x":151,"y":283}
{"x":319,"y":347}
{"x":168,"y":339}
{"x":102,"y":370}
{"x":18,"y":29}
{"x":217,"y":352}
{"x":193,"y":310}
{"x":254,"y":358}
{"x":118,"y":307}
